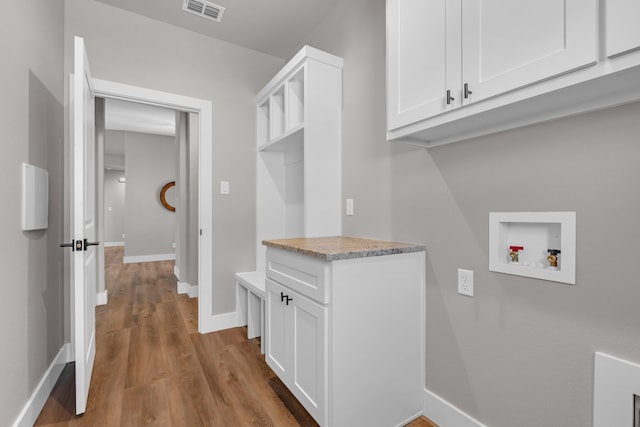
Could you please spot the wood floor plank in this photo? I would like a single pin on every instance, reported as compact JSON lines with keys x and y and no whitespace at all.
{"x":106,"y":391}
{"x":146,"y":363}
{"x":190,"y":400}
{"x":146,"y":405}
{"x":189,"y":309}
{"x":226,"y":387}
{"x":61,"y":402}
{"x":422,"y":422}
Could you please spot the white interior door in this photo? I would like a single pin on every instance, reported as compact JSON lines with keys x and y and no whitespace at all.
{"x":83,"y":222}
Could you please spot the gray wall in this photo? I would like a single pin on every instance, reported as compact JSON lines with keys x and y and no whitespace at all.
{"x":31,"y":119}
{"x":150,"y":164}
{"x":187,"y":234}
{"x":128,"y":48}
{"x":521,"y":352}
{"x":114,"y":193}
{"x":355,"y":31}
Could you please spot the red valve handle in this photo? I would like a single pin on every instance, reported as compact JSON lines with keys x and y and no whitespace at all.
{"x":516,"y":248}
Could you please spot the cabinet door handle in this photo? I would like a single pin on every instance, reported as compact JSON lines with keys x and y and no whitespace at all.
{"x":467,"y":92}
{"x":288,"y":299}
{"x":282,"y":297}
{"x":449,"y":97}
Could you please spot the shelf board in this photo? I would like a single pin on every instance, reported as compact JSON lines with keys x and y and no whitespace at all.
{"x":294,"y":135}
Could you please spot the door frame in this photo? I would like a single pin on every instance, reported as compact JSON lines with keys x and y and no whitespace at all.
{"x":207,"y":322}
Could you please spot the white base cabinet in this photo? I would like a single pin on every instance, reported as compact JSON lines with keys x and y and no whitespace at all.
{"x":347,"y":336}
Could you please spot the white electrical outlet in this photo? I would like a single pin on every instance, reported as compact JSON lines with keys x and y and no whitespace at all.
{"x":465,"y":282}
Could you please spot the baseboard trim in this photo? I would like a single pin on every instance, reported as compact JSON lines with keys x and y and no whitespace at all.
{"x":176,"y":271}
{"x":102,"y":298}
{"x":34,"y":405}
{"x":186,"y":288}
{"x":111,"y":244}
{"x":217,"y":322}
{"x":148,"y":258}
{"x":445,"y":414}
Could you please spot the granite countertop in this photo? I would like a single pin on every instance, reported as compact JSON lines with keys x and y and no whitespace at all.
{"x":340,"y":247}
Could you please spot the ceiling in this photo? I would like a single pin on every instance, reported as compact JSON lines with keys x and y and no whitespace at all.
{"x":138,"y":117}
{"x":133,"y":117}
{"x":274,"y":27}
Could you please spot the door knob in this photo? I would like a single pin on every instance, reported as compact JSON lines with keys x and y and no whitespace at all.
{"x":68,"y":245}
{"x":87,"y":244}
{"x":75,"y":245}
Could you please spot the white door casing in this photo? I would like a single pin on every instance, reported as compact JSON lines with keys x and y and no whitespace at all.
{"x":83,"y":260}
{"x":207,"y":321}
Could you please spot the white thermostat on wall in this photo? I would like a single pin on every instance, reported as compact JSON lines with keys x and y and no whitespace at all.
{"x":35,"y":198}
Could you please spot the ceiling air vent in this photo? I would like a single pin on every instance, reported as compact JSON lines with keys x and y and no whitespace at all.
{"x":204,"y":9}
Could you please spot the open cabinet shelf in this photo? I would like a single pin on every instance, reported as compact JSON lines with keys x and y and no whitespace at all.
{"x":299,"y":143}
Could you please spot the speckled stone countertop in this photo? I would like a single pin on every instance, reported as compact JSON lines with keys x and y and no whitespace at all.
{"x":339,"y":247}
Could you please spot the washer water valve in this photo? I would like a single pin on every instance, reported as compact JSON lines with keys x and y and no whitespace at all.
{"x":553,"y":257}
{"x":514,"y":253}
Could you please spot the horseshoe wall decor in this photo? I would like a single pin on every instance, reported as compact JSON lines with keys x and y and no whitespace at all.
{"x":163,"y":194}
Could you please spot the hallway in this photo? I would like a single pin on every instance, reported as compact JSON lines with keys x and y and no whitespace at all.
{"x":153,"y":368}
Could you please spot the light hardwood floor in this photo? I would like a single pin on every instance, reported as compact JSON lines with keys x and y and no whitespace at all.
{"x":152,"y":368}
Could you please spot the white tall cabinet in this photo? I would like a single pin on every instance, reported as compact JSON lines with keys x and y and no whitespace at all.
{"x":299,"y":161}
{"x":299,"y":165}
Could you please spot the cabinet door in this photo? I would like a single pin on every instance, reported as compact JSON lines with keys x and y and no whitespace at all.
{"x":423,"y":59}
{"x":277,"y":330}
{"x":507,"y":44}
{"x":623,"y":31}
{"x":310,"y":359}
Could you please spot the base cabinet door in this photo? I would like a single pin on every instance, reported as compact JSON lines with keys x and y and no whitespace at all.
{"x":277,"y":330}
{"x":309,"y":321}
{"x":296,"y":349}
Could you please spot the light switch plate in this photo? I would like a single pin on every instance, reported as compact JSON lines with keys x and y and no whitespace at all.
{"x":349,"y":207}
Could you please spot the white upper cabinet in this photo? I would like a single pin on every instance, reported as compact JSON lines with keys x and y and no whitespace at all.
{"x":423,"y":58}
{"x":458,"y":69}
{"x":508,"y":44}
{"x":623,"y":30}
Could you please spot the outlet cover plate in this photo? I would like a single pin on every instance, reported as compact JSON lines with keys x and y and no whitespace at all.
{"x":465,"y":282}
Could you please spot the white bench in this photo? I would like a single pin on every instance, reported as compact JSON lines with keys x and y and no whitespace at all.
{"x":250,"y":303}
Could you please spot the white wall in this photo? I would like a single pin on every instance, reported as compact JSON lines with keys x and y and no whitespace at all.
{"x":114,"y":207}
{"x":150,"y":163}
{"x":31,"y":119}
{"x":520,"y":353}
{"x":128,"y":48}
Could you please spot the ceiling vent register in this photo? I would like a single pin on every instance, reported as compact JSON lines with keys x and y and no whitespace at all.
{"x":204,"y":9}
